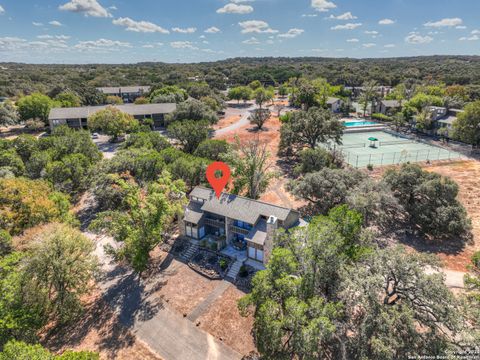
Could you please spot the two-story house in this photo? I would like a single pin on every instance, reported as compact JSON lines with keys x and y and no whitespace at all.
{"x":233,"y":220}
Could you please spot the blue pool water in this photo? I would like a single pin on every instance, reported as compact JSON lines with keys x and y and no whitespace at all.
{"x":359,"y":123}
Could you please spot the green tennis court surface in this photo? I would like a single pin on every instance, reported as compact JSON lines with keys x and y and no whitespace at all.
{"x":389,"y":149}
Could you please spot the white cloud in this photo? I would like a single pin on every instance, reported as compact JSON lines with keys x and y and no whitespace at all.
{"x":448,"y":22}
{"x":148,"y":46}
{"x":369,"y":45}
{"x":235,"y":9}
{"x":354,"y":40}
{"x":251,"y":41}
{"x":349,"y":26}
{"x":318,"y":50}
{"x":256,"y":26}
{"x":470,"y":38}
{"x":460,"y":27}
{"x":371,"y":32}
{"x":386,"y":22}
{"x":189,"y":30}
{"x":241,"y":1}
{"x":101,"y":45}
{"x":58,"y":37}
{"x":55,"y":23}
{"x":389,"y":46}
{"x":292,"y":33}
{"x":309,"y":15}
{"x":475,"y":32}
{"x":213,"y":30}
{"x":139,"y":26}
{"x":37,"y":23}
{"x":2,"y":10}
{"x":415,"y":38}
{"x":345,"y":16}
{"x":323,"y":5}
{"x":113,"y":7}
{"x":183,"y":45}
{"x":86,"y":7}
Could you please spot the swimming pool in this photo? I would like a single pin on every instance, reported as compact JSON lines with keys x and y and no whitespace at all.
{"x":359,"y":123}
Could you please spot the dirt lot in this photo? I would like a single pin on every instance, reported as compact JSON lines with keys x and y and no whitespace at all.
{"x":227,"y":121}
{"x":467,"y":175}
{"x":270,"y":134}
{"x":99,"y":330}
{"x":223,"y":320}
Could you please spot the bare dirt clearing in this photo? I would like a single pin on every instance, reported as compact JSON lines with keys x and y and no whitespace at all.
{"x":223,"y":320}
{"x":467,"y":175}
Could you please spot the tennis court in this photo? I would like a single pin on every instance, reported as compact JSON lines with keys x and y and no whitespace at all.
{"x":389,"y":149}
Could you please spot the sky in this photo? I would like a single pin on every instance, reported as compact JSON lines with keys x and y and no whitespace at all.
{"x":129,"y":31}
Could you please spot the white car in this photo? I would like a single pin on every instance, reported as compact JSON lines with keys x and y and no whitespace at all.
{"x":95,"y":136}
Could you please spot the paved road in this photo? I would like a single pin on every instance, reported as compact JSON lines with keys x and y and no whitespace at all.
{"x":237,"y":125}
{"x":166,"y":332}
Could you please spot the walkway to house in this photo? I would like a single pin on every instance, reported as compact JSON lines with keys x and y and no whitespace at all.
{"x":237,"y":125}
{"x":150,"y":318}
{"x":205,"y":304}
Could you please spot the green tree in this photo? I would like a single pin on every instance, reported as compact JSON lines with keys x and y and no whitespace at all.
{"x":312,"y":160}
{"x":251,"y":168}
{"x":262,"y":96}
{"x":8,"y":114}
{"x":147,"y":140}
{"x":467,"y":126}
{"x":147,"y":220}
{"x":326,"y":188}
{"x":11,"y":161}
{"x":61,"y":263}
{"x":259,"y":117}
{"x":113,"y":100}
{"x":35,"y":106}
{"x":193,"y":109}
{"x":70,"y":175}
{"x":23,"y":310}
{"x":213,"y":149}
{"x":255,"y":84}
{"x":368,"y":95}
{"x":25,"y":203}
{"x":430,"y":201}
{"x":173,"y":94}
{"x":308,"y":128}
{"x":22,"y":351}
{"x":190,"y":133}
{"x":112,"y":122}
{"x":68,"y":99}
{"x":396,"y":309}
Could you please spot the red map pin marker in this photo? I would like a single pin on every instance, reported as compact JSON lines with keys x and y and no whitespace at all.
{"x":218,"y":183}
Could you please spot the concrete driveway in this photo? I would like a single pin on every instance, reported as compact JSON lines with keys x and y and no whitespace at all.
{"x":166,"y":332}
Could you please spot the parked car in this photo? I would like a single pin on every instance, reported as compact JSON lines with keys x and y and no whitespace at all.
{"x":95,"y":136}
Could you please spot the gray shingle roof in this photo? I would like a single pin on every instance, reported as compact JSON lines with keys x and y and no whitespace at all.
{"x":86,"y":111}
{"x":238,"y":207}
{"x":391,"y":103}
{"x":123,"y":89}
{"x":258,"y":234}
{"x":193,"y":213}
{"x":332,"y":100}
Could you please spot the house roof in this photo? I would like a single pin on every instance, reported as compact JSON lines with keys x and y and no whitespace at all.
{"x":391,"y":103}
{"x":193,"y":213}
{"x":123,"y":89}
{"x":238,"y":207}
{"x":332,"y":100}
{"x":86,"y":111}
{"x":258,"y":234}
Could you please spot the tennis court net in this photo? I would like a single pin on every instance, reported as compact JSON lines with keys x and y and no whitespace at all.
{"x":396,"y":142}
{"x":354,"y":146}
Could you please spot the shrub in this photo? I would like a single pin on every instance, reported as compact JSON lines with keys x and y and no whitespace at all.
{"x":213,"y":246}
{"x":243,"y":271}
{"x":223,"y":264}
{"x":370,"y":167}
{"x":381,"y":117}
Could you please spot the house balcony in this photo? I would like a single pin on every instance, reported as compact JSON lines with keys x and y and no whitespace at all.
{"x":214,"y":222}
{"x":238,"y":230}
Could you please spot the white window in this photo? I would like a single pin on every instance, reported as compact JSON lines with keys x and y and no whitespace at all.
{"x":251,"y":252}
{"x":188,"y":230}
{"x":201,"y":232}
